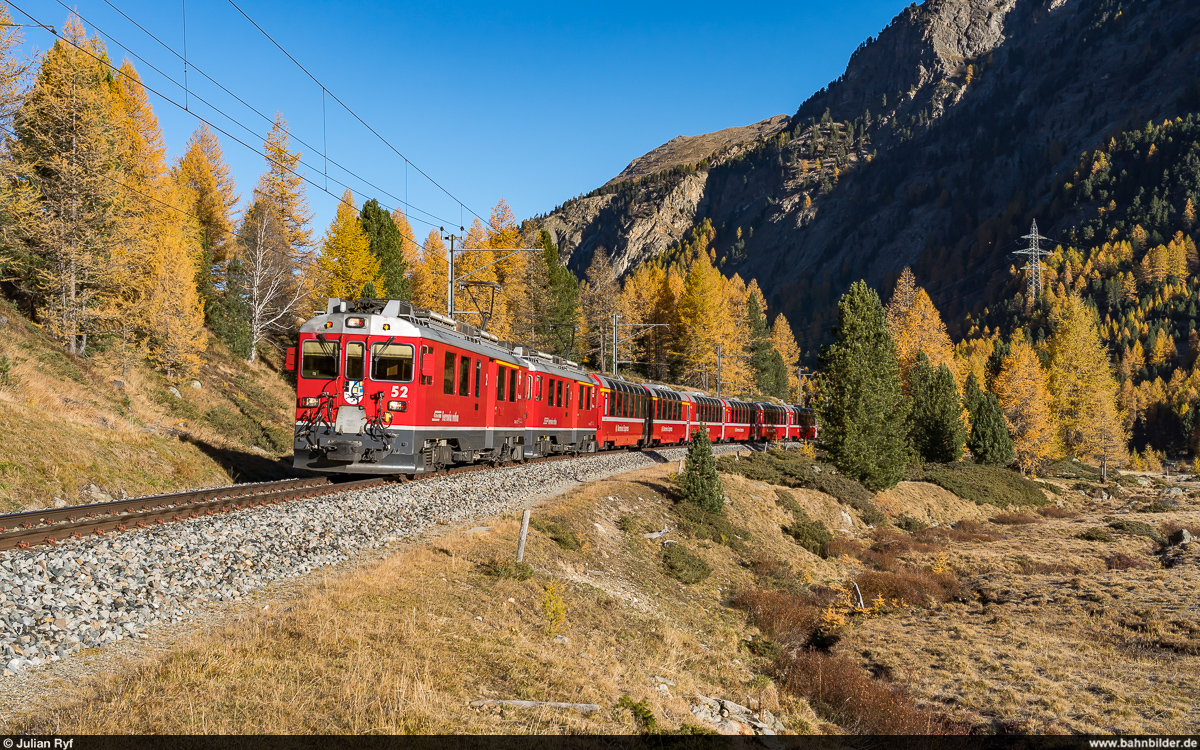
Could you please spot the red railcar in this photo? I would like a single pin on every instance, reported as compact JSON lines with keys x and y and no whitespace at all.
{"x":670,"y":416}
{"x":710,"y":415}
{"x":770,"y":421}
{"x":386,"y":388}
{"x":560,"y":402}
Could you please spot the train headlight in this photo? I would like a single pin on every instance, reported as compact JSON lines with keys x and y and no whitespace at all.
{"x":309,"y":402}
{"x":355,"y":322}
{"x":398,"y":406}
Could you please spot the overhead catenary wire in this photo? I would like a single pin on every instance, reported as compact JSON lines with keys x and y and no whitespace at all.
{"x":115,"y":69}
{"x":438,"y":220}
{"x":354,"y":114}
{"x":190,"y":65}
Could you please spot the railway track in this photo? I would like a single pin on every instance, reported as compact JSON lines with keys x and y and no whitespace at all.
{"x":51,"y":525}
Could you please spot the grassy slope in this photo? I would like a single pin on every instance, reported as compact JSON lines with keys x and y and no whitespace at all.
{"x":67,"y":425}
{"x":1042,"y":637}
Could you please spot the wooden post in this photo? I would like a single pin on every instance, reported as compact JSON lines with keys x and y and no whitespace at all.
{"x":524,"y":532}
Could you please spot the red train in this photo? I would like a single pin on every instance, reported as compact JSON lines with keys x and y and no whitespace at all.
{"x":387,"y":388}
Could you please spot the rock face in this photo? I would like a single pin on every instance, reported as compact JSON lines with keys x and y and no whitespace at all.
{"x":966,"y":114}
{"x":636,"y":222}
{"x":687,"y":149}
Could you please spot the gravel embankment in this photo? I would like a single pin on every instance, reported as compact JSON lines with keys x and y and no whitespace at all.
{"x":88,"y":593}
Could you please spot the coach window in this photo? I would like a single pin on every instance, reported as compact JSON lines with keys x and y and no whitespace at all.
{"x":501,"y":372}
{"x":448,"y":374}
{"x":392,"y":362}
{"x":320,"y":359}
{"x":558,"y":394}
{"x":464,"y":376}
{"x":537,"y":391}
{"x":529,"y":388}
{"x":426,"y":351}
{"x":512,"y":386}
{"x":355,"y":354}
{"x":478,"y":375}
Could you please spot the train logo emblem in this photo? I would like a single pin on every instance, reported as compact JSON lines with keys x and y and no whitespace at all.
{"x":353,"y":391}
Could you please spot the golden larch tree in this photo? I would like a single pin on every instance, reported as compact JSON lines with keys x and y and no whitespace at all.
{"x":1082,"y":385}
{"x":429,"y":274}
{"x":282,"y":188}
{"x":785,"y":343}
{"x":1024,"y":395}
{"x":203,"y":171}
{"x":345,"y":263}
{"x":66,"y":201}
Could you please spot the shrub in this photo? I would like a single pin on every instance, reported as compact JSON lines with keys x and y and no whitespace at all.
{"x":1138,"y":528}
{"x":985,"y":485}
{"x":562,"y":536}
{"x":506,"y":568}
{"x":629,"y":523}
{"x":1014,"y":519}
{"x":911,"y":586}
{"x":763,"y":647}
{"x":683,"y":566}
{"x":809,"y":534}
{"x":554,"y":608}
{"x":700,"y":524}
{"x":786,"y":618}
{"x":910,"y":524}
{"x":1168,"y":528}
{"x":841,"y":545}
{"x":763,"y":566}
{"x":642,"y":715}
{"x":1122,"y":561}
{"x":843,"y":693}
{"x":1095,"y":534}
{"x":1054,"y":511}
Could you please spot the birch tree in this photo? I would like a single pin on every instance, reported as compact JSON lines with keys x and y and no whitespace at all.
{"x":272,"y":294}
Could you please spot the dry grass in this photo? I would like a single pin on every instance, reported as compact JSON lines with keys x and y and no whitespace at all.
{"x":1014,"y":519}
{"x":128,"y":439}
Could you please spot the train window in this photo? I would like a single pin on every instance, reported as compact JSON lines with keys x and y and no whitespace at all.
{"x":464,"y":376}
{"x":392,"y":362}
{"x":319,"y":359}
{"x":537,"y":391}
{"x":478,"y":375}
{"x":550,"y":391}
{"x":609,"y":403}
{"x":582,"y":395}
{"x":558,"y":393}
{"x":448,"y":374}
{"x":501,"y":371}
{"x":529,"y":388}
{"x":512,"y":386}
{"x":356,"y":352}
{"x":425,"y":379}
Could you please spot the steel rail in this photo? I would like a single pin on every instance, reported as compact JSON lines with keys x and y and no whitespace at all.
{"x":51,"y":525}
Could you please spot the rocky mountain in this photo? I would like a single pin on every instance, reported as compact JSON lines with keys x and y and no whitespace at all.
{"x":948,"y":133}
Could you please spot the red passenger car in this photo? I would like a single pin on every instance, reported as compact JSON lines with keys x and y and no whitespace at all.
{"x":622,"y":410}
{"x":670,"y":416}
{"x":560,"y":404}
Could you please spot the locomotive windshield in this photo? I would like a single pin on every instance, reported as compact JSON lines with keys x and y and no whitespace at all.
{"x":320,"y":359}
{"x":392,"y":362}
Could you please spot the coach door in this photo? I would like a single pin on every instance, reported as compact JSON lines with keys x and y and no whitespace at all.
{"x":508,"y":394}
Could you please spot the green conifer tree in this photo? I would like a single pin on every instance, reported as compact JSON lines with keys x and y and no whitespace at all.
{"x":862,"y":406}
{"x":766,"y":364}
{"x":229,"y":313}
{"x":935,"y":422}
{"x":386,"y":245}
{"x":700,"y":484}
{"x":557,"y":324}
{"x":972,"y":397}
{"x":990,"y":442}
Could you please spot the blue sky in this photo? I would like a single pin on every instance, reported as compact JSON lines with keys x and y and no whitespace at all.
{"x":534,"y":103}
